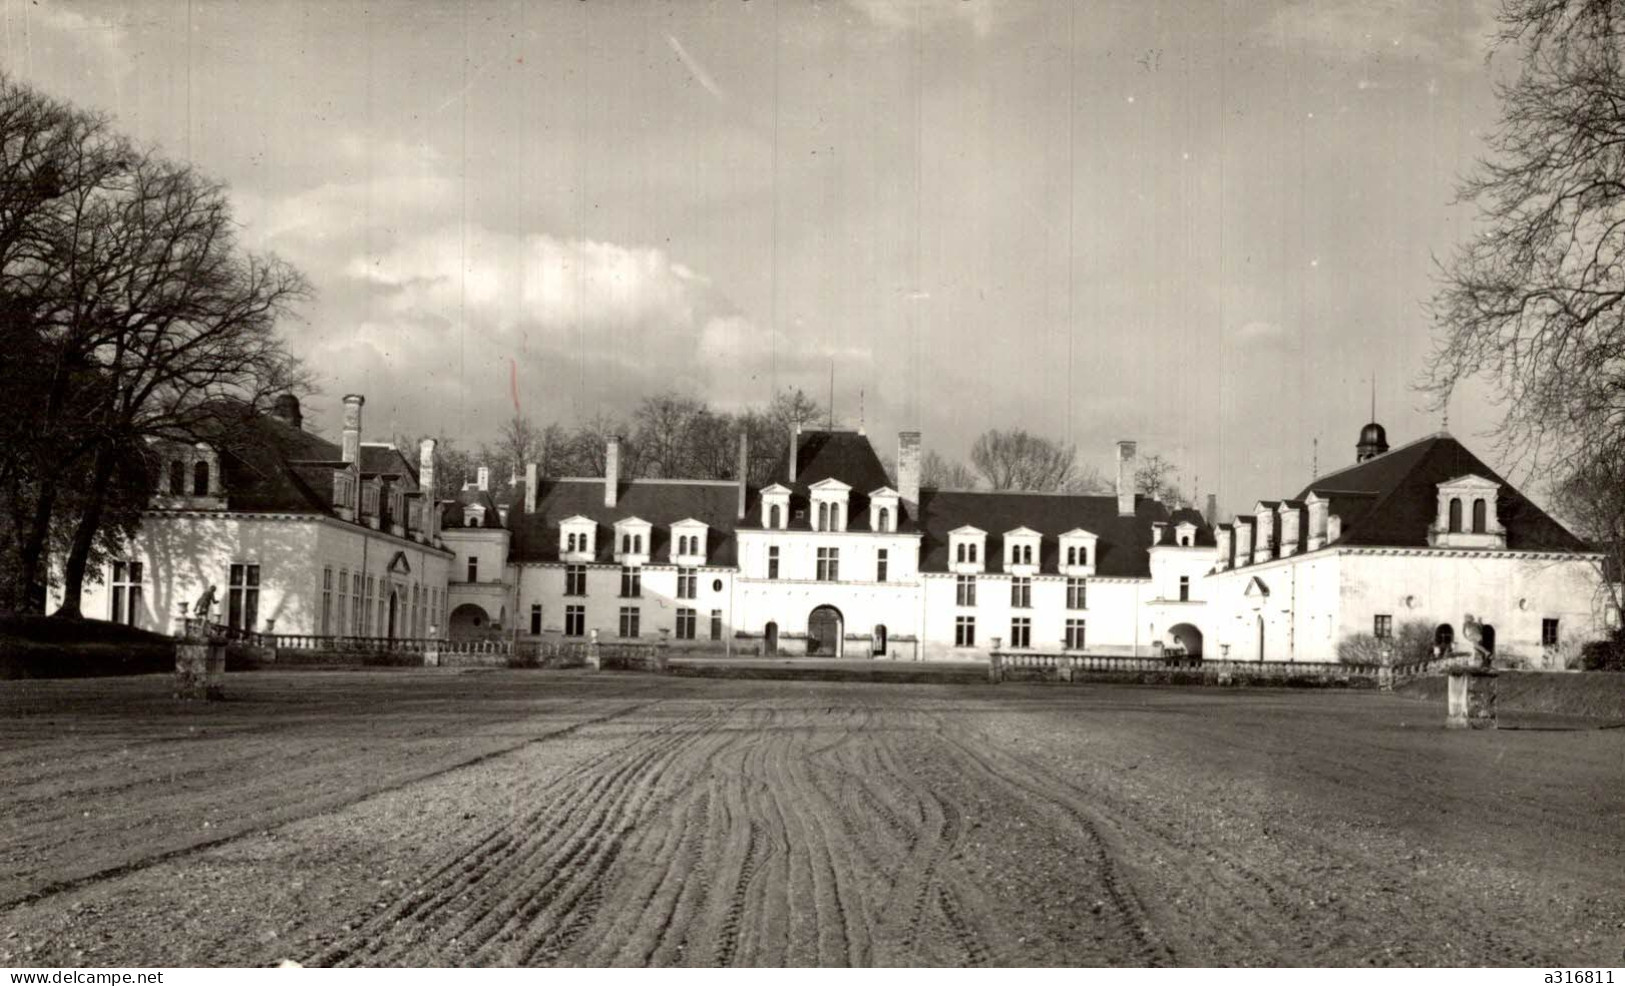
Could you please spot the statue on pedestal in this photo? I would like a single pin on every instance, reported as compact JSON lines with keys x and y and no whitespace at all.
{"x":205,"y":603}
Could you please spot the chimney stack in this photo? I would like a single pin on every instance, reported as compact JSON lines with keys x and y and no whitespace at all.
{"x":483,"y":478}
{"x":1125,"y":479}
{"x":530,"y":488}
{"x":908,"y":469}
{"x":612,"y":471}
{"x":1212,"y":514}
{"x":426,"y":483}
{"x":744,"y":471}
{"x":795,"y":442}
{"x":351,"y":442}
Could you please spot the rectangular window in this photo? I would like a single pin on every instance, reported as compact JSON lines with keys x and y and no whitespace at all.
{"x":1548,"y":633}
{"x":344,"y":579}
{"x":243,"y":609}
{"x":127,"y":593}
{"x":631,"y":582}
{"x":629,"y":621}
{"x":1184,"y":588}
{"x":366,"y":613}
{"x":965,"y":590}
{"x":535,"y":619}
{"x":882,"y":558}
{"x":355,"y":604}
{"x":1074,"y":635}
{"x":473,"y":568}
{"x":716,"y":624}
{"x":965,"y":631}
{"x":1382,"y":626}
{"x":686,"y":583}
{"x":327,"y":599}
{"x":1021,"y":593}
{"x":1076,"y":594}
{"x":575,"y":580}
{"x":575,"y":621}
{"x":1021,"y":632}
{"x":685,"y":624}
{"x":829,"y":564}
{"x":772,"y":563}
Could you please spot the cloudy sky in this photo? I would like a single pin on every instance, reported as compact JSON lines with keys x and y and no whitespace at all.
{"x":1205,"y":225}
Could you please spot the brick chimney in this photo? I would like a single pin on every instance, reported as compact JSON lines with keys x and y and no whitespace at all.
{"x":530,"y":487}
{"x":1125,"y":479}
{"x":744,"y":471}
{"x":351,"y":441}
{"x":483,"y":478}
{"x":908,"y":469}
{"x":1212,"y":513}
{"x":612,"y":471}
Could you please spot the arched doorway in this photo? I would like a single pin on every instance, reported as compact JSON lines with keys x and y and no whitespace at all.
{"x":825,"y":630}
{"x":1486,"y":639}
{"x":468,"y":622}
{"x":771,"y":645}
{"x":879,"y":642}
{"x":394,"y":610}
{"x":1444,"y":640}
{"x":1187,"y":638}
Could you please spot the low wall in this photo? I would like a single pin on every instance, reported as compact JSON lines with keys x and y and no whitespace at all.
{"x":1592,"y":694}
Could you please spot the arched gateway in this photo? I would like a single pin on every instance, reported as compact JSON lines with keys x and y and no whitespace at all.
{"x":825,"y":632}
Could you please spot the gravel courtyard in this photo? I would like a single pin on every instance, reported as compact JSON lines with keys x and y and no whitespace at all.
{"x":540,"y":818}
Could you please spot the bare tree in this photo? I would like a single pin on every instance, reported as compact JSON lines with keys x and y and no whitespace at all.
{"x":937,"y":472}
{"x":1535,"y":300}
{"x":665,"y":433}
{"x":1155,"y":479}
{"x":121,"y":269}
{"x":1592,"y":499}
{"x":519,"y":443}
{"x":1017,"y":460}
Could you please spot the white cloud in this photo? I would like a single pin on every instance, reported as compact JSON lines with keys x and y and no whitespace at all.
{"x":1441,"y":31}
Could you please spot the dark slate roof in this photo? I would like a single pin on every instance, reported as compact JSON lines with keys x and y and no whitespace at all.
{"x":661,"y":502}
{"x":1119,"y":552}
{"x":453,"y":516}
{"x":387,"y":460}
{"x":1392,"y":499}
{"x":844,"y":455}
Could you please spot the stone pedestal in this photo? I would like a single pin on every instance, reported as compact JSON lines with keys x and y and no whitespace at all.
{"x":594,"y":660}
{"x":995,"y":667}
{"x":200,"y":663}
{"x":1063,"y":669}
{"x":1470,"y":699}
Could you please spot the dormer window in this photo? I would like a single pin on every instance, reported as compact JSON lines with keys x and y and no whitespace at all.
{"x":688,"y":542}
{"x":576,"y":537}
{"x":1467,"y":516}
{"x":633,"y":539}
{"x":829,"y":504}
{"x":474,"y":516}
{"x":1021,"y":550}
{"x":1077,"y":556}
{"x":883,"y":505}
{"x":1185,"y":534}
{"x":776,"y":507}
{"x":966,"y":547}
{"x":200,"y":478}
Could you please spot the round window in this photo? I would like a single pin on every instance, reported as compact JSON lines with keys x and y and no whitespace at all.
{"x":716,"y":585}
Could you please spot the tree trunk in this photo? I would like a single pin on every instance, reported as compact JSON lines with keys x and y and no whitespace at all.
{"x":84,"y":535}
{"x":31,"y":552}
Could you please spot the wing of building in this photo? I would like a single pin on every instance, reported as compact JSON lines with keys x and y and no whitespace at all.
{"x":835,"y":558}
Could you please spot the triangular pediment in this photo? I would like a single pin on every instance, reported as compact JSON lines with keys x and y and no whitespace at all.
{"x":967,"y":531}
{"x":777,"y":489}
{"x":1471,"y":481}
{"x":1023,"y":532}
{"x":883,"y":493}
{"x":399,"y":565}
{"x":1256,"y":588}
{"x":1078,"y":532}
{"x":830,"y":485}
{"x":577,"y":520}
{"x":631,"y":522}
{"x":690,"y":523}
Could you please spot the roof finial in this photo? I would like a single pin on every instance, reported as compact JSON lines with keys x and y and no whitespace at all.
{"x":1314,"y":459}
{"x":832,"y":393}
{"x":860,"y":411}
{"x":1373,"y":395}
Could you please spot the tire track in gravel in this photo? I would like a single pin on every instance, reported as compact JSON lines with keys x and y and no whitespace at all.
{"x":510,"y":841}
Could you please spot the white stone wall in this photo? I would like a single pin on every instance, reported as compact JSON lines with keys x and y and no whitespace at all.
{"x":544,"y":584}
{"x":182,"y":555}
